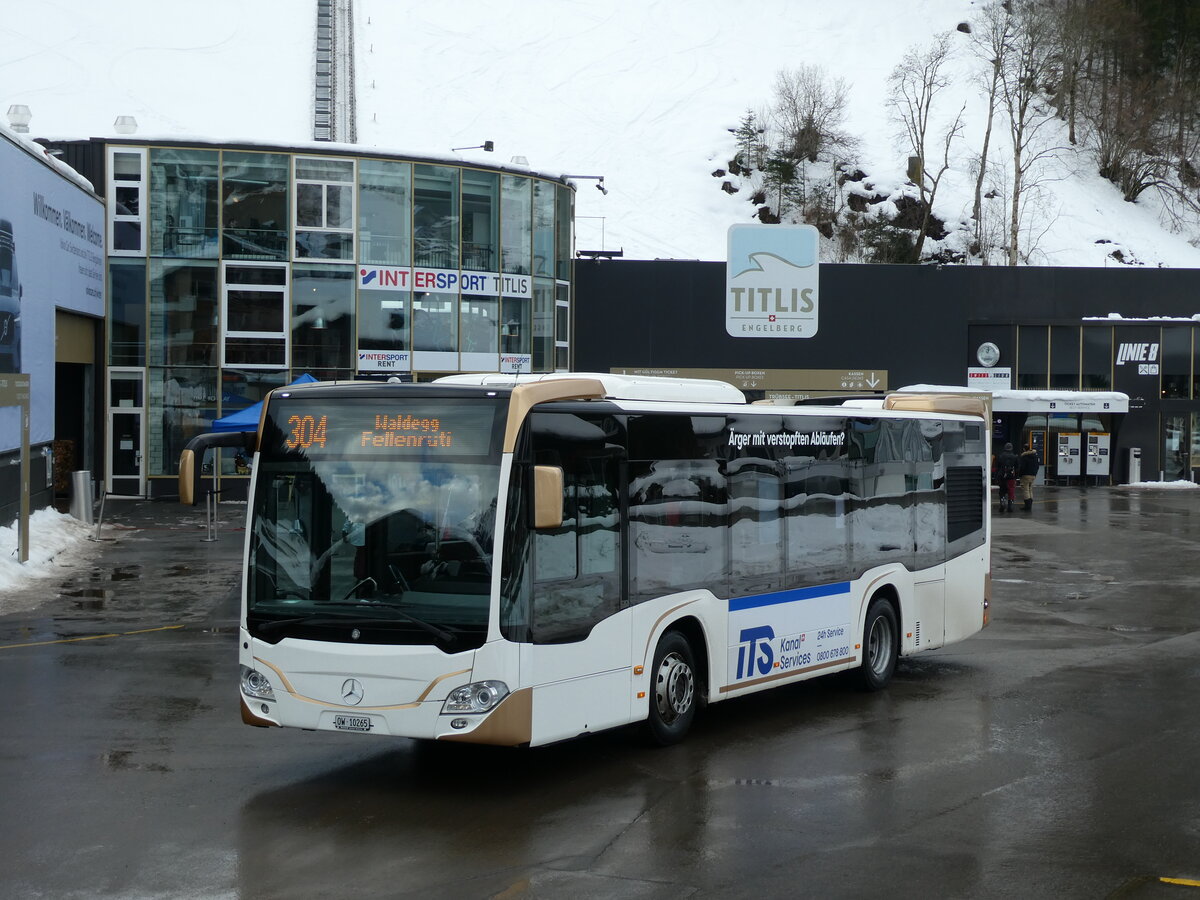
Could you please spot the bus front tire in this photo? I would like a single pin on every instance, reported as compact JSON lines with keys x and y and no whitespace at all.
{"x":673,"y":688}
{"x":881,"y":643}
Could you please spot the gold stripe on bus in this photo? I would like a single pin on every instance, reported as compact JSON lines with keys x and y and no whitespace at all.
{"x":425,"y":693}
{"x":657,"y":622}
{"x":789,"y":674}
{"x":526,"y":396}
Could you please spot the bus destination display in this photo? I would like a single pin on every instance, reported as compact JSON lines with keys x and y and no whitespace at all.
{"x":351,"y":427}
{"x":386,"y":431}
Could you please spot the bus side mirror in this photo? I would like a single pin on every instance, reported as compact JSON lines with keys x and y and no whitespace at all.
{"x":547,"y":497}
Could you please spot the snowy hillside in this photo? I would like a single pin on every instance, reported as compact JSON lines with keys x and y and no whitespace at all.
{"x":644,"y":93}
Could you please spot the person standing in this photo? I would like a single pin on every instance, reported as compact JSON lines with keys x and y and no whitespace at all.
{"x":1006,"y":476}
{"x":1027,"y":468}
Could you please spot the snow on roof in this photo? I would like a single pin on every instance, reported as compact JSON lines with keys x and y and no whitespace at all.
{"x":36,"y":150}
{"x":1111,"y":317}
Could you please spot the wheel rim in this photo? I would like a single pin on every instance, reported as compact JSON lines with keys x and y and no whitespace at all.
{"x":880,"y":645}
{"x":674,"y":688}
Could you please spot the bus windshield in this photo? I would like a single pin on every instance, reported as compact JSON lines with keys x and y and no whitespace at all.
{"x":375,"y":524}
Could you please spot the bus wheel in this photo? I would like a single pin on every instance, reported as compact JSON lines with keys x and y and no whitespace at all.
{"x":880,"y":645}
{"x":673,"y":702}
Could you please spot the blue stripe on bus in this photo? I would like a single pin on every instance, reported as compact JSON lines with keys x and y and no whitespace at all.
{"x":756,"y":600}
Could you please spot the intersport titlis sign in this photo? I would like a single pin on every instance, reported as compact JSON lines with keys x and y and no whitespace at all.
{"x":771,"y":281}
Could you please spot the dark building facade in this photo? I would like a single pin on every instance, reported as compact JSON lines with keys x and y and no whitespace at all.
{"x":883,"y":327}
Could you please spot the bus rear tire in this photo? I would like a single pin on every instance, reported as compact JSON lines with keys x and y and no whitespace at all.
{"x":674,"y":693}
{"x":881,"y":645}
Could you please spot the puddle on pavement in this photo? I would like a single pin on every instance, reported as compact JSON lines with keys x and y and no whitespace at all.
{"x":121,"y":760}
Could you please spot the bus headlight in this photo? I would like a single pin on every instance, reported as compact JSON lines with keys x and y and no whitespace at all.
{"x":255,"y":684}
{"x":477,"y":697}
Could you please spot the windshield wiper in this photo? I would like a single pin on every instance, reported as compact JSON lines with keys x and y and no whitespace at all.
{"x":333,"y":617}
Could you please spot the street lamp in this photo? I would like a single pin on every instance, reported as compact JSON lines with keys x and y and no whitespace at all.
{"x":488,"y":146}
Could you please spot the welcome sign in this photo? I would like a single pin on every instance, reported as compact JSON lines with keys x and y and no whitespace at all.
{"x":771,"y":281}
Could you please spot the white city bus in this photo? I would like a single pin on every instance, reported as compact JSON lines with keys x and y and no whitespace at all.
{"x":521,"y":560}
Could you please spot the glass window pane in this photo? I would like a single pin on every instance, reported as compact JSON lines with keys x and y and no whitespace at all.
{"x":183,"y":203}
{"x":127,"y":236}
{"x":562,"y":324}
{"x":310,"y":205}
{"x":1032,"y":342}
{"x":384,"y":211}
{"x":256,"y":352}
{"x":128,"y":200}
{"x":324,"y":245}
{"x":516,"y":223}
{"x":125,"y":391}
{"x":264,"y":275}
{"x":309,"y":169}
{"x":1176,"y":361}
{"x":383,"y":320}
{"x":480,"y":325}
{"x":435,"y":322}
{"x":127,"y":167}
{"x":480,"y":222}
{"x":255,"y":311}
{"x":755,"y":526}
{"x":182,"y":405}
{"x":127,"y":313}
{"x":562,"y":239}
{"x":435,"y":217}
{"x":183,"y":313}
{"x":1064,"y":358}
{"x":322,"y":317}
{"x":677,"y":526}
{"x":255,"y":205}
{"x":543,"y":324}
{"x":543,"y":228}
{"x":339,"y":206}
{"x":1097,"y":358}
{"x":514,"y":326}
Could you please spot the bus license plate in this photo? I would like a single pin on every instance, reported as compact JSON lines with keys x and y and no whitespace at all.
{"x":352,"y":723}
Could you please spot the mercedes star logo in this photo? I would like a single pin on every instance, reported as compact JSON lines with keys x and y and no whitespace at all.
{"x":352,"y":691}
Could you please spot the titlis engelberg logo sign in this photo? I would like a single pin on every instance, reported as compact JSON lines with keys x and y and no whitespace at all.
{"x":771,"y":281}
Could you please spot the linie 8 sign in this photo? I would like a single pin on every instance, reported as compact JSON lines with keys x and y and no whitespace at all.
{"x":771,"y":281}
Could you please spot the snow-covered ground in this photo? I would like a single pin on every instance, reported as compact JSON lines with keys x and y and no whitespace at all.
{"x":642,"y":92}
{"x":1161,"y":485}
{"x":57,"y":543}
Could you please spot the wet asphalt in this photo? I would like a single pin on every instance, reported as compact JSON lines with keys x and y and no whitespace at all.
{"x":1054,"y":755}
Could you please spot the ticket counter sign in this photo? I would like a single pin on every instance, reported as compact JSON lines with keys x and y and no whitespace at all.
{"x":771,"y":281}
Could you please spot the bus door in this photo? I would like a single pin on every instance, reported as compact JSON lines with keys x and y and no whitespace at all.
{"x":578,"y":656}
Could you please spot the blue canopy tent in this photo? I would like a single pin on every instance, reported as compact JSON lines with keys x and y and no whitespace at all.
{"x":247,"y":419}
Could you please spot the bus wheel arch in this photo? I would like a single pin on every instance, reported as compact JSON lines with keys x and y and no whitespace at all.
{"x":677,"y":682}
{"x":880,"y":640}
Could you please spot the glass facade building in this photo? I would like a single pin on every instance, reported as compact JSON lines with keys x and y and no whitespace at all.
{"x":232,"y":271}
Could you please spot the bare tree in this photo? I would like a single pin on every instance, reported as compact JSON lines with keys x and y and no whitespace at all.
{"x":808,"y":112}
{"x":915,"y":85}
{"x":1026,"y":68}
{"x":991,"y":43}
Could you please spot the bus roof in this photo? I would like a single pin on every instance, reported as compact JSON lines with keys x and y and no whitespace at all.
{"x":620,"y":387}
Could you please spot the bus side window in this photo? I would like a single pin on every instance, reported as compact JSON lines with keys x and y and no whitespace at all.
{"x":576,"y":566}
